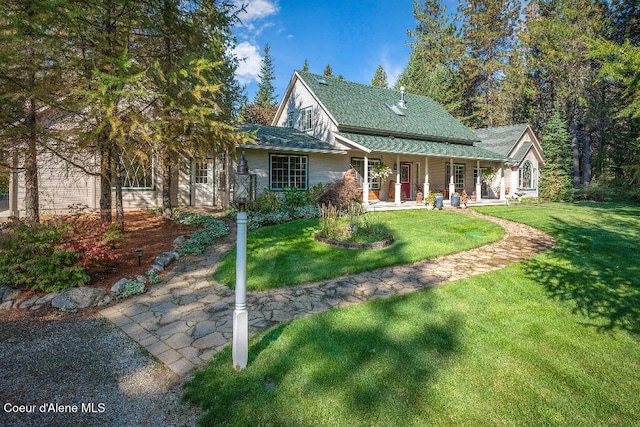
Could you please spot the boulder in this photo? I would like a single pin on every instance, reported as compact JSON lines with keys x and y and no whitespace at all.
{"x":117,"y":287}
{"x":75,"y":298}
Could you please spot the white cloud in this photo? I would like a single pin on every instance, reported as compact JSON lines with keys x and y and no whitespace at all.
{"x":256,"y":9}
{"x":249,"y":62}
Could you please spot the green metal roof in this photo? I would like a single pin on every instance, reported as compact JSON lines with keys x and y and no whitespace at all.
{"x":502,"y":139}
{"x":286,"y":139}
{"x":386,"y":144}
{"x":361,"y":108}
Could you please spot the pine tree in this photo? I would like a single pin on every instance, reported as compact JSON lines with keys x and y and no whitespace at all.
{"x":556,"y":183}
{"x":328,"y":71}
{"x":265,"y":96}
{"x":305,"y":66}
{"x":488,"y":30}
{"x":380,"y":78}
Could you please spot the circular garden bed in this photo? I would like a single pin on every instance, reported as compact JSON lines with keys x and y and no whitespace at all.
{"x":383,"y":243}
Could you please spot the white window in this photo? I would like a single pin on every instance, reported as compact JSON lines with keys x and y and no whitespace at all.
{"x":290,"y":116}
{"x":306,"y":118}
{"x":358,"y":165}
{"x":458,"y":175}
{"x":287,"y":171}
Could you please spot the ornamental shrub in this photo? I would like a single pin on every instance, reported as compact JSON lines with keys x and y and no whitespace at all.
{"x":31,"y":257}
{"x":267,"y":201}
{"x":341,"y":194}
{"x":294,"y":197}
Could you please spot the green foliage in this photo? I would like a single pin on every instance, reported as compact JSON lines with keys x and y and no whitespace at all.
{"x":380,"y":78}
{"x":31,"y":258}
{"x":351,"y":226}
{"x":212,"y":229}
{"x":130,"y":288}
{"x":313,"y":194}
{"x":265,"y":96}
{"x":267,"y":201}
{"x":556,"y":183}
{"x":294,"y":197}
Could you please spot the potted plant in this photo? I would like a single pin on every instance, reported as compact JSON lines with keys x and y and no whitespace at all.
{"x":382,"y":172}
{"x":430,"y":200}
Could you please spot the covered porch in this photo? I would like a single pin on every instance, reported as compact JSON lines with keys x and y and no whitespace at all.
{"x":418,"y":167}
{"x":382,"y":206}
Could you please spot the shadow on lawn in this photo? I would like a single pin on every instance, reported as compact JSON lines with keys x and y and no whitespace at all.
{"x":373,"y":363}
{"x":595,"y":266}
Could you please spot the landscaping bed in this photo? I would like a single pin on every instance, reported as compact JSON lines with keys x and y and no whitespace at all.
{"x":143,"y":230}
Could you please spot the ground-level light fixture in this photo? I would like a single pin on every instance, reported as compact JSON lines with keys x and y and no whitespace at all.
{"x":139,"y":255}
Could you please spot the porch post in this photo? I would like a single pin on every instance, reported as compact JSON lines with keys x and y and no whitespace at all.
{"x":501,"y":175}
{"x":478,"y":182}
{"x":426,"y":176}
{"x":452,"y":185}
{"x":397,"y":198}
{"x":365,"y":182}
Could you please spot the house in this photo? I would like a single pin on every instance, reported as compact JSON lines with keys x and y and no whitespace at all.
{"x":350,"y":125}
{"x":324,"y":126}
{"x":520,"y":145}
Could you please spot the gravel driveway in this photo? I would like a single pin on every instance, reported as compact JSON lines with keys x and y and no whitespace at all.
{"x":84,"y":372}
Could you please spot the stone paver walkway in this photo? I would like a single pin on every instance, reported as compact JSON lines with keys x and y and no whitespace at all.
{"x":186,"y":319}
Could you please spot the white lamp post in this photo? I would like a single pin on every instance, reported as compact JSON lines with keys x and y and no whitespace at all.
{"x":243,"y":193}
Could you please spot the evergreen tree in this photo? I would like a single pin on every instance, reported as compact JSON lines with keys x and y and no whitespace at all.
{"x":556,"y":183}
{"x":488,"y":31}
{"x":265,"y":96}
{"x":380,"y":78}
{"x":328,"y":71}
{"x":305,"y":66}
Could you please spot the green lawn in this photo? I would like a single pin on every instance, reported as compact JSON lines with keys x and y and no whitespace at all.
{"x":287,"y":254}
{"x":550,"y":341}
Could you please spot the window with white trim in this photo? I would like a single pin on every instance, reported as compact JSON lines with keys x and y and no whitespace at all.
{"x":290,"y":119}
{"x":358,"y":164}
{"x":306,"y":118}
{"x":287,"y":171}
{"x":458,"y":175}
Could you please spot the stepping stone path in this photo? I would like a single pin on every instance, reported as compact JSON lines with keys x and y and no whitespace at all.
{"x":187,"y":318}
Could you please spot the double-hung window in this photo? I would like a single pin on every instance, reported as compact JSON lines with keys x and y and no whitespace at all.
{"x":288,"y":171}
{"x":290,"y":119}
{"x":306,"y":118}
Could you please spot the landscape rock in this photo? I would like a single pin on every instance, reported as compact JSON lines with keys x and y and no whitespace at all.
{"x":6,"y":305}
{"x":29,"y":302}
{"x":179,"y":240}
{"x":75,"y":298}
{"x":3,"y":290}
{"x":164,"y":259}
{"x":119,"y":285}
{"x":47,"y":298}
{"x":10,"y":294}
{"x":141,"y":279}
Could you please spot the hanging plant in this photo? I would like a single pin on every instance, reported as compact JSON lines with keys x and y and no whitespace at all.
{"x":380,"y":170}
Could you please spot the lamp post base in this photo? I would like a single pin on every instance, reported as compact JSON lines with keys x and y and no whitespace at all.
{"x":240,"y":349}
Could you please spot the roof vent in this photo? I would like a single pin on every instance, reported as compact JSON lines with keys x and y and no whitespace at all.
{"x":402,"y":102}
{"x":321,"y":80}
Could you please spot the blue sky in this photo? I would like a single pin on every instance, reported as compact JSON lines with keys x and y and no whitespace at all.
{"x":353,"y":36}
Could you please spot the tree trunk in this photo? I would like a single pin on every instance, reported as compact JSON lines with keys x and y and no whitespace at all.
{"x":31,"y":197}
{"x":586,"y":158}
{"x":575,"y":149}
{"x":105,"y":178}
{"x":118,"y":184}
{"x":166,"y":187}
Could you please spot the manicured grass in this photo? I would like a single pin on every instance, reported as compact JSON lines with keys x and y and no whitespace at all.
{"x":526,"y":345}
{"x":287,"y":254}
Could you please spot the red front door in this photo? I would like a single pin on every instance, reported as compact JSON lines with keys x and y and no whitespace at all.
{"x":405,"y":181}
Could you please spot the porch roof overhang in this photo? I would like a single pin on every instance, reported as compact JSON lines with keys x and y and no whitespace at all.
{"x":390,"y":144}
{"x":284,"y":139}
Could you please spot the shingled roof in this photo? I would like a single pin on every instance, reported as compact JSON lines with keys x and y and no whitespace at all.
{"x":374,"y":110}
{"x":503,"y":139}
{"x":286,"y":139}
